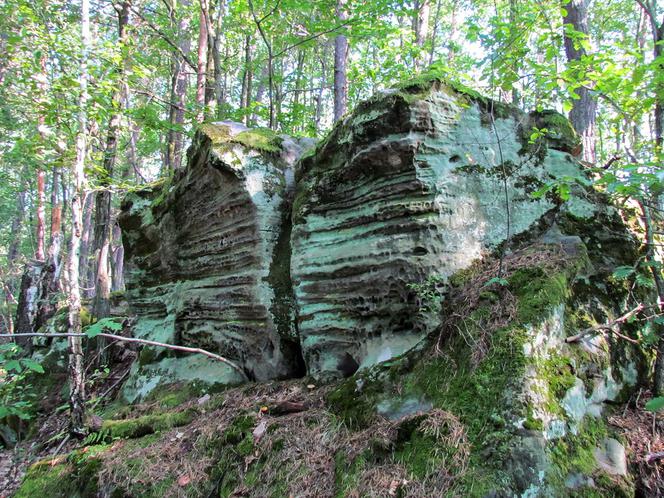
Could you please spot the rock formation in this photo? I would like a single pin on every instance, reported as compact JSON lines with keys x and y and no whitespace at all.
{"x":420,"y":251}
{"x":412,"y":187}
{"x":209,"y":261}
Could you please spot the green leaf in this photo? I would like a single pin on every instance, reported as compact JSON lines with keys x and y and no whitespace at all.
{"x":13,"y":365}
{"x":623,"y":272}
{"x":104,"y":324}
{"x":655,"y":404}
{"x":496,"y":280}
{"x":32,"y":365}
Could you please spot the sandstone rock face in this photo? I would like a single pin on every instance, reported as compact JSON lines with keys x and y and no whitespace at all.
{"x":209,"y":261}
{"x":416,"y":182}
{"x":338,"y":261}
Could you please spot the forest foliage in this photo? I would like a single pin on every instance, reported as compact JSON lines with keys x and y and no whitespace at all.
{"x":100,"y":98}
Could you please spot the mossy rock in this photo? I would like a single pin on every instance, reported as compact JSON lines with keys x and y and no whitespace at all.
{"x":147,"y":424}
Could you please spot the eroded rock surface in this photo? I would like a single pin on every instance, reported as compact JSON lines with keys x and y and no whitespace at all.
{"x":337,"y":262}
{"x":209,"y":261}
{"x":416,"y":182}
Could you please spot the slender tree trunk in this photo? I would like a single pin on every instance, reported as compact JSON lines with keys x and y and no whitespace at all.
{"x":245,"y":73}
{"x":584,"y":109}
{"x":516,"y":97}
{"x":178,"y":89}
{"x":340,"y":59}
{"x":56,"y":206}
{"x":319,"y":96}
{"x":434,"y":32}
{"x":421,"y":28}
{"x":219,"y":76}
{"x":40,"y":252}
{"x":201,"y":69}
{"x":102,"y":230}
{"x":270,"y":61}
{"x":76,"y":372}
{"x":17,"y":225}
{"x":86,"y":269}
{"x":117,"y":258}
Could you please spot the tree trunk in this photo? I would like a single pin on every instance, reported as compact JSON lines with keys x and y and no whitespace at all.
{"x":56,"y":206}
{"x":102,"y":231}
{"x":340,"y":59}
{"x":40,"y":252}
{"x":270,"y":61}
{"x":421,"y":28}
{"x":17,"y":224}
{"x":319,"y":96}
{"x":434,"y":32}
{"x":76,"y":372}
{"x":584,"y":109}
{"x":117,"y":258}
{"x":201,"y":68}
{"x":86,"y":270}
{"x":245,"y":74}
{"x":219,"y":77}
{"x":178,"y":90}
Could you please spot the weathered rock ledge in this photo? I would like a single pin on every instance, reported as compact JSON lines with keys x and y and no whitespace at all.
{"x":286,"y":267}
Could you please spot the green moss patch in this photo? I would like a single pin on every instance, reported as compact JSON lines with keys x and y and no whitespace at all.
{"x":147,"y":424}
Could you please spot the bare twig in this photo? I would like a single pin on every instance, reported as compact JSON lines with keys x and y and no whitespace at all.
{"x":609,"y":327}
{"x":652,"y":457}
{"x":174,"y":347}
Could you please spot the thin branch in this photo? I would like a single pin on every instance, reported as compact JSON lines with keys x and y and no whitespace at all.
{"x":313,"y":37}
{"x":186,"y":349}
{"x":165,"y":38}
{"x":609,"y":327}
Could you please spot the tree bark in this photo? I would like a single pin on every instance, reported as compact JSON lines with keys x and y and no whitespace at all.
{"x":270,"y":70}
{"x":76,"y":372}
{"x":201,"y":68}
{"x":102,"y":231}
{"x":219,"y":77}
{"x":56,"y":206}
{"x":40,"y":252}
{"x":421,"y":28}
{"x":340,"y":59}
{"x":86,"y":270}
{"x":179,"y":81}
{"x":584,"y":109}
{"x":17,"y":224}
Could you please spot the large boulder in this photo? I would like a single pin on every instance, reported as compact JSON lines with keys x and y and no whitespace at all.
{"x":209,"y":261}
{"x":339,"y":260}
{"x":413,"y":186}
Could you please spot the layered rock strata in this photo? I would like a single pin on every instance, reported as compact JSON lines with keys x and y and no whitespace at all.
{"x":412,"y":187}
{"x":337,"y":262}
{"x":209,"y":261}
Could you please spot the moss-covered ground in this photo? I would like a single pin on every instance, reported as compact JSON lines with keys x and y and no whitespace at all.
{"x":473,"y":438}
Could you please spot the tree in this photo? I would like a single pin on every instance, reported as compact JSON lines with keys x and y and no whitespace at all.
{"x":76,"y":371}
{"x":582,"y":114}
{"x":340,"y":59}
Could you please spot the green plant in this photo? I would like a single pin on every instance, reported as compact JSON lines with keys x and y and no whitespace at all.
{"x":429,"y":293}
{"x":15,"y":388}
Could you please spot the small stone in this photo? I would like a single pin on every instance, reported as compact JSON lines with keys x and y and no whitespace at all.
{"x":611,"y":457}
{"x":203,"y":399}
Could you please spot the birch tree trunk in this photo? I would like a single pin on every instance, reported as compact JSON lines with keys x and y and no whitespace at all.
{"x":201,"y":68}
{"x":340,"y":60}
{"x":76,"y":372}
{"x":421,"y":29}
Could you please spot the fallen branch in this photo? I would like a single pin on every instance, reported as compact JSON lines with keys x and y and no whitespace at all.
{"x":609,"y":327}
{"x":186,"y":349}
{"x":651,"y":457}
